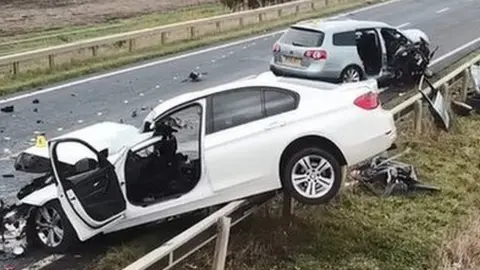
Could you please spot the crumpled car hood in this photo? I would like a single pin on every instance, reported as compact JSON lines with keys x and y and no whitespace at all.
{"x":105,"y":135}
{"x":415,"y":34}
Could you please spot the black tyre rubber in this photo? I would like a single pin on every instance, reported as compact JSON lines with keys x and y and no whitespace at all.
{"x":69,"y":240}
{"x":287,"y":181}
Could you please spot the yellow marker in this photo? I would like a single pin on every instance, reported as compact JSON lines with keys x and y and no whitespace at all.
{"x":41,"y":141}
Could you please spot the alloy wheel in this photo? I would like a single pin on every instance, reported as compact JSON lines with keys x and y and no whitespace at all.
{"x":351,"y":75}
{"x":49,"y":227}
{"x":312,"y":176}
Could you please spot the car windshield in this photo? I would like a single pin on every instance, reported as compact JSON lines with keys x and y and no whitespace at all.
{"x":303,"y":37}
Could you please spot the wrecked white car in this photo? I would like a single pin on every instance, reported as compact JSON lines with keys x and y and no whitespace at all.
{"x":198,"y":150}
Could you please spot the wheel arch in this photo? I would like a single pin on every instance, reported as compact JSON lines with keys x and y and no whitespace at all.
{"x":316,"y":140}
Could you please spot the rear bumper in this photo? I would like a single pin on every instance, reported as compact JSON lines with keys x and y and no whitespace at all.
{"x":304,"y":73}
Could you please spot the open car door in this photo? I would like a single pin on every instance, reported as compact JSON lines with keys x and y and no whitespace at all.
{"x":370,"y":50}
{"x":88,"y":188}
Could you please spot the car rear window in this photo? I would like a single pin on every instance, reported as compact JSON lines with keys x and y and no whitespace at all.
{"x":303,"y":37}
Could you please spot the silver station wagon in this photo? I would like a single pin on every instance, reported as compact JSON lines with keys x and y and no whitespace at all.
{"x":343,"y":50}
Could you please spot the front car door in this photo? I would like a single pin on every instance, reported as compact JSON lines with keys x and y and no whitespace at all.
{"x":88,"y":188}
{"x":371,"y":50}
{"x":242,"y":138}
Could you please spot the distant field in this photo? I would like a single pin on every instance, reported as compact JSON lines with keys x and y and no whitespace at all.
{"x":27,"y":24}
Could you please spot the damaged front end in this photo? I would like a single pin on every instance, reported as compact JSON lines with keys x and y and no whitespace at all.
{"x":14,"y":217}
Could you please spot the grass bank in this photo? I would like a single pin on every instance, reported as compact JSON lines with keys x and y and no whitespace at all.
{"x":37,"y":78}
{"x":50,"y":37}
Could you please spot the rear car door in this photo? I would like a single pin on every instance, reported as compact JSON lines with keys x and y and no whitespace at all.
{"x":371,"y":50}
{"x":243,"y":135}
{"x":88,"y":187}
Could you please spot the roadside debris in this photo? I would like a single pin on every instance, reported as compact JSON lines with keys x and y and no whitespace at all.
{"x":438,"y":106}
{"x":134,"y":113}
{"x":8,"y":175}
{"x":7,"y":109}
{"x":195,"y":76}
{"x":385,"y":176}
{"x":36,"y":101}
{"x":475,"y":73}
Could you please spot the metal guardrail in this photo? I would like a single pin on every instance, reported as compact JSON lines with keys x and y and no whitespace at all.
{"x":197,"y":236}
{"x":190,"y":28}
{"x":245,"y":208}
{"x":462,"y":72}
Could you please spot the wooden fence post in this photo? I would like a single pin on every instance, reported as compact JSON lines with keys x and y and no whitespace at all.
{"x":51,"y":61}
{"x":465,"y":81}
{"x":418,"y":115}
{"x":222,"y":243}
{"x":16,"y":68}
{"x":287,"y":208}
{"x":131,"y":45}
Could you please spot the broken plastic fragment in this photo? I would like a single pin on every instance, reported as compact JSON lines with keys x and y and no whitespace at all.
{"x":7,"y":109}
{"x":36,"y":101}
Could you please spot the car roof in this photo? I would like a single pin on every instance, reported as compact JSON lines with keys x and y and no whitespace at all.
{"x":264,"y":79}
{"x":339,"y":25}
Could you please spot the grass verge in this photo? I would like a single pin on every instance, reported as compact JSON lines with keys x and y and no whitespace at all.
{"x":50,"y":37}
{"x":33,"y":79}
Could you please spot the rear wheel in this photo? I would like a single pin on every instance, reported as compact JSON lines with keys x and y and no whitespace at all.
{"x":50,"y":229}
{"x":351,"y":74}
{"x":312,"y":176}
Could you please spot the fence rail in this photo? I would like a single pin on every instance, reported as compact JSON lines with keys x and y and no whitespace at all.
{"x":222,"y":219}
{"x":167,"y":33}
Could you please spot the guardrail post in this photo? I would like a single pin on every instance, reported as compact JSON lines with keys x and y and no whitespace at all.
{"x":418,"y":115}
{"x":51,"y":61}
{"x":297,"y":9}
{"x":222,"y":243}
{"x":16,"y":67}
{"x":445,"y":88}
{"x":279,"y":13}
{"x":240,"y":22}
{"x":312,"y":5}
{"x":131,"y":45}
{"x":218,"y":26}
{"x":94,"y":51}
{"x":465,"y":81}
{"x":287,"y":208}
{"x":163,"y":38}
{"x":260,"y":17}
{"x":192,"y":31}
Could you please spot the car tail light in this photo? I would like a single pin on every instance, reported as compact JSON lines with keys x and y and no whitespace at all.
{"x":276,"y":48}
{"x":368,"y":101}
{"x":316,"y":54}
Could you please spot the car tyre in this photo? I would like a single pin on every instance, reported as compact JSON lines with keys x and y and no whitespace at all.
{"x":47,"y":221}
{"x":351,"y":74}
{"x":308,"y":168}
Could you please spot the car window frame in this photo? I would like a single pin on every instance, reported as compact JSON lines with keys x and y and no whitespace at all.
{"x":209,"y":105}
{"x":344,"y":32}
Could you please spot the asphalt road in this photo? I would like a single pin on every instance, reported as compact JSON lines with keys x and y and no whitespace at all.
{"x":450,"y":24}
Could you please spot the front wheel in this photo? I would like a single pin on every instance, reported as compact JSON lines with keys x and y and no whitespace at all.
{"x":50,"y":229}
{"x":312,"y":176}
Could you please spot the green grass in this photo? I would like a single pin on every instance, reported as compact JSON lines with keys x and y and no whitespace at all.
{"x":50,"y":37}
{"x":37,"y":78}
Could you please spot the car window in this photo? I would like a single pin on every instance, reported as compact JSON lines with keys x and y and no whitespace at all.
{"x":277,"y":101}
{"x":234,"y":108}
{"x":344,"y":39}
{"x":303,"y":37}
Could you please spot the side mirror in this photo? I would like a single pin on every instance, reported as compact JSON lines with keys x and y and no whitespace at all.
{"x":102,"y":157}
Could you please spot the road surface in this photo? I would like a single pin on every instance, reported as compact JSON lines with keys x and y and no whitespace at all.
{"x":113,"y":96}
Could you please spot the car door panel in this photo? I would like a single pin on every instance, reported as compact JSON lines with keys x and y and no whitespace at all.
{"x":96,"y":192}
{"x":91,"y":197}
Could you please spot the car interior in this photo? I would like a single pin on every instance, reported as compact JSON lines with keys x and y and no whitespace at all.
{"x":160,"y":171}
{"x":370,"y":51}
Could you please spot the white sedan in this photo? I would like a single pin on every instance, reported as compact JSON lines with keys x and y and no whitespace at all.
{"x":198,"y":150}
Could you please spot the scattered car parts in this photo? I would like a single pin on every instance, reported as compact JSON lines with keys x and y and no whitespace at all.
{"x":386,"y":176}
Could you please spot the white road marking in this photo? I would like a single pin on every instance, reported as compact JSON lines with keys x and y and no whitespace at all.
{"x":43,"y":262}
{"x":450,"y":53}
{"x":442,"y":10}
{"x":403,"y":25}
{"x":161,"y":61}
